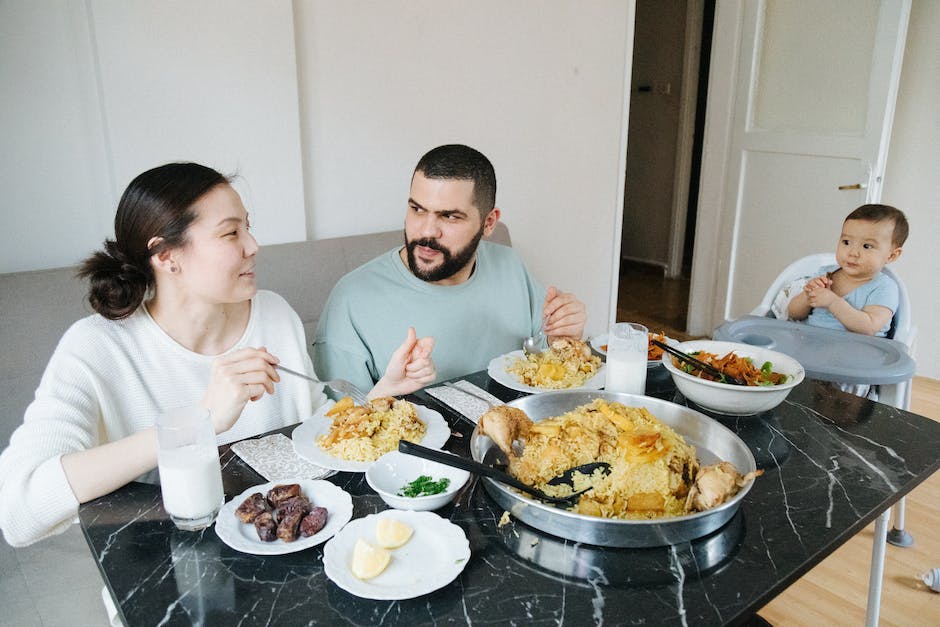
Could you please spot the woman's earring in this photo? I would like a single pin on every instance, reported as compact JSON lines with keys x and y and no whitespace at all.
{"x":172,"y":268}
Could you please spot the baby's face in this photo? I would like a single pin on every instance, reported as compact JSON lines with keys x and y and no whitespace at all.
{"x":865,"y":247}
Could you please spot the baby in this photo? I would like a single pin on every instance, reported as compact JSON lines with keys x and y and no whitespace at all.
{"x":855,"y":294}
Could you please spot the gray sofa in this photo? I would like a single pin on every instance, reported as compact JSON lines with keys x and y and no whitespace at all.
{"x":37,"y":307}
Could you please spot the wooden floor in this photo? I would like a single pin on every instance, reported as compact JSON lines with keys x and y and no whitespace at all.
{"x":836,"y":591}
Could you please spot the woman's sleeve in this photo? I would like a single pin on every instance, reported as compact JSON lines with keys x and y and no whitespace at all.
{"x":36,"y":499}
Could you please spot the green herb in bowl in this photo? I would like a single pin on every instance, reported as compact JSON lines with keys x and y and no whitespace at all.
{"x":424,"y":486}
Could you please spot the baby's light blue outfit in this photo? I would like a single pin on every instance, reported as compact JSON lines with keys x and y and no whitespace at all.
{"x":881,"y":290}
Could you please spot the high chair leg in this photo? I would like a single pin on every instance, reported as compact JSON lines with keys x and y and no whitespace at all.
{"x":898,"y":536}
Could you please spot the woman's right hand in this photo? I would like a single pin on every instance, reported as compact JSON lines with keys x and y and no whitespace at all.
{"x":236,"y":378}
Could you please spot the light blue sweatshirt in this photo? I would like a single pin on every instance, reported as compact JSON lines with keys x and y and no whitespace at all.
{"x":370,"y":309}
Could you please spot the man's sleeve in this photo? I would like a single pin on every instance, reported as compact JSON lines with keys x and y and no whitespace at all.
{"x":536,"y":299}
{"x":333,"y":362}
{"x":338,"y":353}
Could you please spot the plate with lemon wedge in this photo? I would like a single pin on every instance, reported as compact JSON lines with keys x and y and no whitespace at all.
{"x":396,"y":554}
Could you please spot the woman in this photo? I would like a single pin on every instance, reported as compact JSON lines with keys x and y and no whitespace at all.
{"x":180,"y":322}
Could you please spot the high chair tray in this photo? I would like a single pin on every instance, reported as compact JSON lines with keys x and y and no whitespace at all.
{"x":825,"y":354}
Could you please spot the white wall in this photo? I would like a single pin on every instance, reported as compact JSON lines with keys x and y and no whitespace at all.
{"x":537,"y":87}
{"x":126,"y":85}
{"x":97,"y":92}
{"x":912,"y":177}
{"x":56,"y":202}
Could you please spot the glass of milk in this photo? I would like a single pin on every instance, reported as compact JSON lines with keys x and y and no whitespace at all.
{"x":627,"y":345}
{"x":190,"y":473}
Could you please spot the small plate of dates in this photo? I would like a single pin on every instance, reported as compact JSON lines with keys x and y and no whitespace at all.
{"x":283,"y":516}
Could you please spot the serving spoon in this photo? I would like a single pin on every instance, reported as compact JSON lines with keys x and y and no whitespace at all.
{"x":470,"y":465}
{"x":567,"y":477}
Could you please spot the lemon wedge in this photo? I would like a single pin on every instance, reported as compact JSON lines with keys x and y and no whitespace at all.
{"x":391,"y":533}
{"x":369,"y":561}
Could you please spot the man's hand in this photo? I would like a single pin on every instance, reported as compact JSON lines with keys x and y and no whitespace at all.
{"x":563,"y":315}
{"x":410,"y":368}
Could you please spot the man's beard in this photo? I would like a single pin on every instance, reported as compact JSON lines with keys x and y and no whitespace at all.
{"x":452,"y":263}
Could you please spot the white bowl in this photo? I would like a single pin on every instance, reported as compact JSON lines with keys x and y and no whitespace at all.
{"x":735,"y":400}
{"x":391,"y":472}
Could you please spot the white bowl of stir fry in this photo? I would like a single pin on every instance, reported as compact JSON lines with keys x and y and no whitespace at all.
{"x":769,"y":375}
{"x":409,"y":482}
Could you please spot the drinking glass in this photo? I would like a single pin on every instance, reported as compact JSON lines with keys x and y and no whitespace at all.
{"x":190,"y":473}
{"x":627,"y":345}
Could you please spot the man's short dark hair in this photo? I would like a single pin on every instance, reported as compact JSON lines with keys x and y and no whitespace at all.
{"x":877,"y":213}
{"x":456,"y":161}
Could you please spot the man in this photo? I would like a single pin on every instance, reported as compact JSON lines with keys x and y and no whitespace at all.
{"x":474,"y":298}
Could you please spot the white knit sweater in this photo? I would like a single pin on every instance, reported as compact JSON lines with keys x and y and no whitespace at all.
{"x":109,"y":379}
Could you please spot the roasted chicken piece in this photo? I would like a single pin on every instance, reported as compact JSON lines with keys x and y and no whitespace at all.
{"x":716,"y":484}
{"x":504,"y":425}
{"x":569,"y":348}
{"x":383,"y":403}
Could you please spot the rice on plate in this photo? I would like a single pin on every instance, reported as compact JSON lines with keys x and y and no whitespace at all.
{"x":365,"y":433}
{"x":568,"y":363}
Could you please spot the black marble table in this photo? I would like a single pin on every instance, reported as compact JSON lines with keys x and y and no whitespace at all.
{"x":832,"y":463}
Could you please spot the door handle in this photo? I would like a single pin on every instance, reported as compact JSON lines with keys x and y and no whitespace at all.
{"x":854,"y":186}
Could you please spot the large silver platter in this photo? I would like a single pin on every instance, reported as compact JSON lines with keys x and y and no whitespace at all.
{"x":713,"y":442}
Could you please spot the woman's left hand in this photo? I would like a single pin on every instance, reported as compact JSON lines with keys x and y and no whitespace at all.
{"x":410,"y":368}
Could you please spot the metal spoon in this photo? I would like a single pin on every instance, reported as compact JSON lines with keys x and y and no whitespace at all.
{"x":532,"y":345}
{"x":410,"y":448}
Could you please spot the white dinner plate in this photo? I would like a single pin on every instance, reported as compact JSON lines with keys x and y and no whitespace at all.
{"x":305,"y":438}
{"x":498,"y":372}
{"x":433,"y":557}
{"x":243,"y":537}
{"x":601,"y":340}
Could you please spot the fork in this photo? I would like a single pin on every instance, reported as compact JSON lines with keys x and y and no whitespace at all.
{"x":341,"y":386}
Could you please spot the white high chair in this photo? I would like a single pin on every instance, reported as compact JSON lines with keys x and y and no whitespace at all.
{"x":897,"y":394}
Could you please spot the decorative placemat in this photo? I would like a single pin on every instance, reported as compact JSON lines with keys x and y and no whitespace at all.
{"x":273,"y":457}
{"x":467,"y":405}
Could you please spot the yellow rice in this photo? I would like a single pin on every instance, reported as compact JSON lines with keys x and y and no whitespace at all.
{"x":551,"y":371}
{"x":648,"y":459}
{"x":364,"y":434}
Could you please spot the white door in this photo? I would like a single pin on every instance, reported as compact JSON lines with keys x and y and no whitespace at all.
{"x":805,"y":133}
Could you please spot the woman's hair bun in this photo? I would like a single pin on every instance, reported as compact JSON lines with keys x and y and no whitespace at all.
{"x":117,"y":285}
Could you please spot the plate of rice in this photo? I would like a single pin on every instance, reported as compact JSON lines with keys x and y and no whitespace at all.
{"x":347,"y":437}
{"x":567,"y":368}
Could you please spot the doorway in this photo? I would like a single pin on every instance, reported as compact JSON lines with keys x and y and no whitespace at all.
{"x":672,"y":47}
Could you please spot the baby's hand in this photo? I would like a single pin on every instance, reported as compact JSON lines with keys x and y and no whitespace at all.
{"x":820,"y":282}
{"x":821,"y":297}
